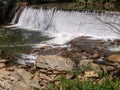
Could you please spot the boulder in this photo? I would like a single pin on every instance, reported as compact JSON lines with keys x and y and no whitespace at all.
{"x":54,"y":62}
{"x":114,"y":58}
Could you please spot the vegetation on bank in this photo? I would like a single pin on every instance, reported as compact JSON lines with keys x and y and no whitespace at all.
{"x":75,"y":84}
{"x":104,"y":81}
{"x":100,"y":4}
{"x":7,"y":5}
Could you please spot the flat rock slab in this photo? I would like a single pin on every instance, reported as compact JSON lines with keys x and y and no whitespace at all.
{"x":54,"y":62}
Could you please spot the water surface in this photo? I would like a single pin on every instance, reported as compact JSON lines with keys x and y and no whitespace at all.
{"x":14,"y":41}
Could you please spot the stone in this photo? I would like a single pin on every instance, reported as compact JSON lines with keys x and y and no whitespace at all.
{"x":69,"y":76}
{"x":46,"y":47}
{"x":114,"y":58}
{"x":20,"y":86}
{"x":107,"y":68}
{"x":18,"y":79}
{"x":26,"y":76}
{"x":85,"y":62}
{"x":91,"y":74}
{"x":54,"y":62}
{"x":95,"y":56}
{"x":5,"y":80}
{"x":3,"y":60}
{"x":44,"y":76}
{"x":90,"y":63}
{"x":80,"y":77}
{"x":57,"y":83}
{"x":2,"y":65}
{"x":35,"y":81}
{"x":5,"y":84}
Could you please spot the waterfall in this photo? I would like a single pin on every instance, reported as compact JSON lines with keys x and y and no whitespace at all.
{"x":66,"y":25}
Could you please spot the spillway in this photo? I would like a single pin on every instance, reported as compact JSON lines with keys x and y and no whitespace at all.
{"x":66,"y":25}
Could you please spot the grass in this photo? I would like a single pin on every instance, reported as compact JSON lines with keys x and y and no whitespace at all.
{"x":105,"y":81}
{"x":75,"y":84}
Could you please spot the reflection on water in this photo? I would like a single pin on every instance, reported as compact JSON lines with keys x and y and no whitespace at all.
{"x":14,"y":41}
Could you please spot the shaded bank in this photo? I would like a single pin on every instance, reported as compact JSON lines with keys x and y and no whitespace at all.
{"x":47,"y":1}
{"x":4,"y":5}
{"x":9,"y":7}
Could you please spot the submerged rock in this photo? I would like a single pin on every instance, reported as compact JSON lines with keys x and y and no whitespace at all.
{"x":54,"y":62}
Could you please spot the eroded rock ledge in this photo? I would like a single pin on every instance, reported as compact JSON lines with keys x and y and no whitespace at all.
{"x":84,"y":59}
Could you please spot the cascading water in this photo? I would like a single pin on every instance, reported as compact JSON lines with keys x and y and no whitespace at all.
{"x":62,"y":26}
{"x":66,"y":25}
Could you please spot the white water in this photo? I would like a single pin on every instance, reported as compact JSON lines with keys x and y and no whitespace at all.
{"x":66,"y":25}
{"x":27,"y":59}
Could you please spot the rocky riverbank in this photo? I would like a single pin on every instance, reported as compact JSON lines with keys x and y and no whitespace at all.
{"x":83,"y":60}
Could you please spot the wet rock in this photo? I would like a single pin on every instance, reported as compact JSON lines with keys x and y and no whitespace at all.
{"x":117,"y":41}
{"x":47,"y":50}
{"x":89,"y":46}
{"x":54,"y":62}
{"x":114,"y":58}
{"x":46,"y":47}
{"x":75,"y":54}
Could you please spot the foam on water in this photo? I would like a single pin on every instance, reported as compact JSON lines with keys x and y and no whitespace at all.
{"x":114,"y":48}
{"x":27,"y":59}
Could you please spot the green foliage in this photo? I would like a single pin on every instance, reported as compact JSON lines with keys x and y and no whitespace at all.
{"x":79,"y":1}
{"x":86,"y":3}
{"x":75,"y":84}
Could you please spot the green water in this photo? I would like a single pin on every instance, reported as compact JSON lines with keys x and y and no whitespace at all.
{"x":14,"y":41}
